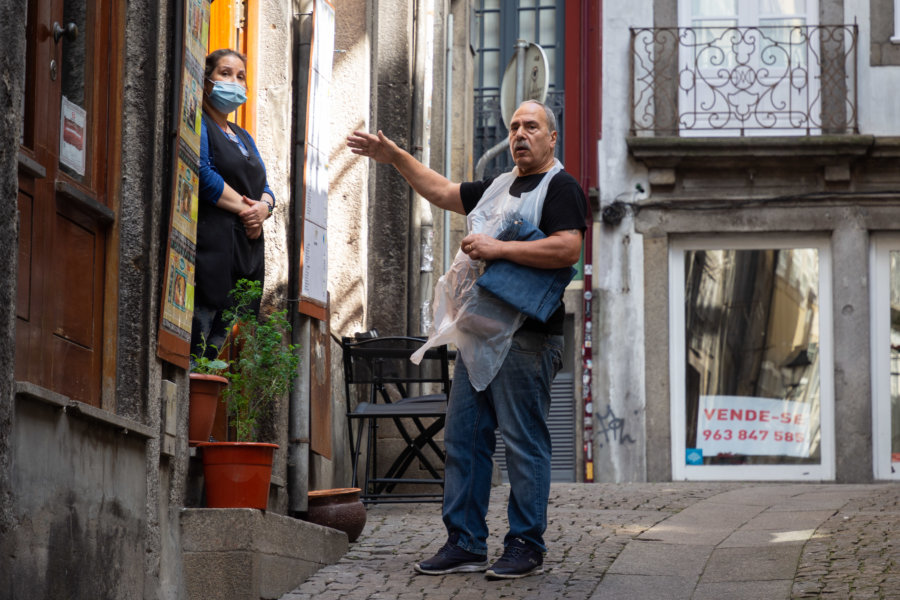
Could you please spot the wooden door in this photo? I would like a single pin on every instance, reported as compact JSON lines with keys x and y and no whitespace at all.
{"x":65,"y":208}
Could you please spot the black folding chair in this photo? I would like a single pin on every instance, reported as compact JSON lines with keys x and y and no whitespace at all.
{"x":395,"y":392}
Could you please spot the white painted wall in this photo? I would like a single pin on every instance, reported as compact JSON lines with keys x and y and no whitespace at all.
{"x":879,"y":112}
{"x":618,"y":273}
{"x":618,"y":259}
{"x":273,"y":130}
{"x":348,"y":173}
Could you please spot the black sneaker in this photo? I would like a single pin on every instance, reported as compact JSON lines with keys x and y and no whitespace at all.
{"x":453,"y":559}
{"x":519,"y":559}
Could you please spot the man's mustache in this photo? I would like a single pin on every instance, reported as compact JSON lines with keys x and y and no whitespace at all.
{"x":522,"y":145}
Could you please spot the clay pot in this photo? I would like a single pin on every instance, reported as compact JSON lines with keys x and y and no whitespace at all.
{"x":204,"y":400}
{"x":237,"y":474}
{"x":339,"y":509}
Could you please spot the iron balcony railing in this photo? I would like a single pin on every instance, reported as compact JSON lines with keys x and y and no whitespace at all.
{"x":730,"y":81}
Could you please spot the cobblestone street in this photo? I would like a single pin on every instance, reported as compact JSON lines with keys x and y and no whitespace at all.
{"x":853,"y":553}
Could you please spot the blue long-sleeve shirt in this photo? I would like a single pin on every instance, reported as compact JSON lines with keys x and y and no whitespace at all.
{"x":211,"y":182}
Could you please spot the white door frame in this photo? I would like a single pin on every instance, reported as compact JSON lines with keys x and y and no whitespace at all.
{"x":880,"y":298}
{"x":825,"y":470}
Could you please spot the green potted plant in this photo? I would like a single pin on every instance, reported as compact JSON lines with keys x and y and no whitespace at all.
{"x":206,"y":385}
{"x":263,"y":371}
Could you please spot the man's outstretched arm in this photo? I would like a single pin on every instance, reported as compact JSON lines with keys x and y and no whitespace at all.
{"x":430,"y":184}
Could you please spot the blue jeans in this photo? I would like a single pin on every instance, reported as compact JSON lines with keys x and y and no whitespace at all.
{"x":518,"y":402}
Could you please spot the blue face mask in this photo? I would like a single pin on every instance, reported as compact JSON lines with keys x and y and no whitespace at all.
{"x":227,"y":96}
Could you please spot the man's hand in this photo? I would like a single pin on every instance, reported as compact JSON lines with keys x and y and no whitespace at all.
{"x":430,"y":184}
{"x":377,"y":147}
{"x":559,"y":249}
{"x":479,"y":246}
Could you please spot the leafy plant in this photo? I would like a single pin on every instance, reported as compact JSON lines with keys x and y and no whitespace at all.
{"x":265,"y":367}
{"x":200,"y":363}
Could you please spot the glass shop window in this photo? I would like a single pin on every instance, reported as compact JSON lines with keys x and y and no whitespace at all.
{"x":753,"y":391}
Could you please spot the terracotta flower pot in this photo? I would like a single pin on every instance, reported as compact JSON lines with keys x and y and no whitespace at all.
{"x":204,"y":399}
{"x":237,"y":474}
{"x":339,"y":509}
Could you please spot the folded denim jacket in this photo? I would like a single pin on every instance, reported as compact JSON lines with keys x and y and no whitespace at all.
{"x":535,"y":292}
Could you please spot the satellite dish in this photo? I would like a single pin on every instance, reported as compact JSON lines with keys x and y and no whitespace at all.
{"x":535,"y":81}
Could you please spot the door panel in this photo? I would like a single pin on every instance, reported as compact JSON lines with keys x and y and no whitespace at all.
{"x":73,"y":271}
{"x":66,"y":215}
{"x":72,"y":370}
{"x":23,"y":279}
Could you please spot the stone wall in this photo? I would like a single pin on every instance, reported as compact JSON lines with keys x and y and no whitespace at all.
{"x":80,"y":505}
{"x":12,"y":65}
{"x":89,"y":492}
{"x":245,"y":554}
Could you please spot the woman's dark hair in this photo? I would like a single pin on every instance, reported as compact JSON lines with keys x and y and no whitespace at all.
{"x":214,"y":57}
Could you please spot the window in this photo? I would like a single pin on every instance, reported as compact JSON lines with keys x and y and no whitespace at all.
{"x":498,"y":24}
{"x":884,"y":32}
{"x":885,"y":278}
{"x":750,"y":66}
{"x":751,"y":359}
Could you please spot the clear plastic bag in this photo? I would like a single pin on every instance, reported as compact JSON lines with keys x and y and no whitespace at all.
{"x":477,"y":322}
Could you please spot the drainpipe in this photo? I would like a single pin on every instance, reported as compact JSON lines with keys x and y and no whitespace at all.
{"x":298,"y":407}
{"x":448,"y":131}
{"x":481,"y":165}
{"x":421,"y":219}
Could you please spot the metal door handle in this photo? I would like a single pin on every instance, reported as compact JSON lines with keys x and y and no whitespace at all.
{"x":70,"y":31}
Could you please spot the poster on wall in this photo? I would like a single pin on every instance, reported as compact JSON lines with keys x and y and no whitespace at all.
{"x":749,"y":426}
{"x":197,"y":31}
{"x":178,"y":306}
{"x":179,"y":293}
{"x":186,"y":200}
{"x":191,"y":103}
{"x":314,"y":256}
{"x":177,"y":303}
{"x":196,"y":35}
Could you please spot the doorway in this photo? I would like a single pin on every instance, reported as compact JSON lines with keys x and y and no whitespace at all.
{"x":66,"y":211}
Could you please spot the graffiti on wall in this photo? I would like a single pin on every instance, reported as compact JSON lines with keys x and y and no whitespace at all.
{"x":613,"y":428}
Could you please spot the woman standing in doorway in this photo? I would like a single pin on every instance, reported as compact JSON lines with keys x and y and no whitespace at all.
{"x":235,"y":199}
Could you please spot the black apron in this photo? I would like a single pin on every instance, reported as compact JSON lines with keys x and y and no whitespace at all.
{"x":224,"y":252}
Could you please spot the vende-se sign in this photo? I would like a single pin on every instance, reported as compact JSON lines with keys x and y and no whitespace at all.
{"x":754,"y":426}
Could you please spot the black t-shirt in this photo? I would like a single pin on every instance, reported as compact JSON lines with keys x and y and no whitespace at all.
{"x":565,"y":207}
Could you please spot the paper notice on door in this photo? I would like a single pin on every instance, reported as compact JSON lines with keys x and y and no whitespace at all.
{"x":314,"y":283}
{"x":72,"y":133}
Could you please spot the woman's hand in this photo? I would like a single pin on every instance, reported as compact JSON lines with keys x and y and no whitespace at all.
{"x":253,"y":216}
